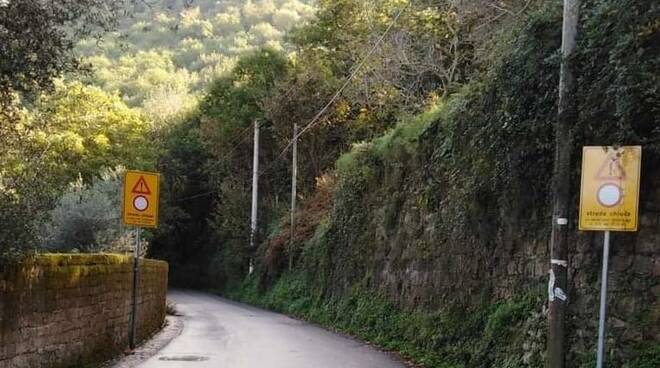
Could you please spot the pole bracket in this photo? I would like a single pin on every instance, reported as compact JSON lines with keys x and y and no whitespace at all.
{"x":559,"y":262}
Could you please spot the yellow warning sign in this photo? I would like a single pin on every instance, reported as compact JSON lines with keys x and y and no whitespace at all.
{"x":609,"y":196}
{"x":141,"y":190}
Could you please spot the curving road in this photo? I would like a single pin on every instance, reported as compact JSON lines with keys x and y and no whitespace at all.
{"x":218,"y":333}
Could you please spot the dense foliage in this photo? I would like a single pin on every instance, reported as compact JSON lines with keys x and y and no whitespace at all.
{"x":159,"y":58}
{"x":52,"y":133}
{"x":166,"y":53}
{"x":37,"y":39}
{"x":472,"y":173}
{"x":440,"y":140}
{"x":74,"y":133}
{"x":398,"y":78}
{"x":86,"y":218}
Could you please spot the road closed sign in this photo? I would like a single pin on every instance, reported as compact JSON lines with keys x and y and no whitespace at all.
{"x":140,"y":204}
{"x":609,"y":196}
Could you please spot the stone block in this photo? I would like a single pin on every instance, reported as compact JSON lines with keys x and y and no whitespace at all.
{"x":621,"y":263}
{"x":643,"y":265}
{"x":647,"y":241}
{"x":67,"y":317}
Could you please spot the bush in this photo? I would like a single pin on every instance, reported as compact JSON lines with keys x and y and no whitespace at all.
{"x":87,"y":218}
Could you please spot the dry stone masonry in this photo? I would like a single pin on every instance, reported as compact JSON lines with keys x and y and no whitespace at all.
{"x":70,"y":310}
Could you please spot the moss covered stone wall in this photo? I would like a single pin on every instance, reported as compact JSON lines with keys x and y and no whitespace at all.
{"x":73,"y":310}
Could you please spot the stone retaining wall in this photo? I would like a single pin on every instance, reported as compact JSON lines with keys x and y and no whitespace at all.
{"x":74,"y":310}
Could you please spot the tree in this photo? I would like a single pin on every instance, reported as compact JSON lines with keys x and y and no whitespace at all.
{"x":297,"y":99}
{"x":76,"y":131}
{"x":87,"y":217}
{"x":207,"y":187}
{"x":82,"y":130}
{"x":430,"y":50}
{"x":37,"y":39}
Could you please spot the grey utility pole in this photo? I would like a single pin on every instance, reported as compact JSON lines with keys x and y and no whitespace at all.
{"x":561,"y":187}
{"x":294,"y":179}
{"x":255,"y":193}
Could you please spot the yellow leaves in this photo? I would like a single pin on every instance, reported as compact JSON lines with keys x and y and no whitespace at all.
{"x":81,"y":129}
{"x":190,"y":16}
{"x":433,"y":99}
{"x":436,"y":22}
{"x":19,"y":127}
{"x":342,"y":110}
{"x":102,"y":142}
{"x":73,"y":142}
{"x":241,"y":41}
{"x":40,"y":137}
{"x":649,"y":29}
{"x":156,"y":76}
{"x":99,"y":62}
{"x":274,"y":45}
{"x":365,"y":117}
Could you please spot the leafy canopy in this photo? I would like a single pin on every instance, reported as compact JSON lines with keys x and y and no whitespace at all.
{"x":37,"y":39}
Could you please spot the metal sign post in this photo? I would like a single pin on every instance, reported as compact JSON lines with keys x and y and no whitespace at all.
{"x":139,"y":209}
{"x":136,"y":281}
{"x":603,"y":301}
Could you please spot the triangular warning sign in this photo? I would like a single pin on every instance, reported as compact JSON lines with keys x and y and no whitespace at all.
{"x":141,"y":187}
{"x":611,"y":169}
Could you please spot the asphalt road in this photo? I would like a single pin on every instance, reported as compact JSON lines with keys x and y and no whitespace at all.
{"x":219,"y":333}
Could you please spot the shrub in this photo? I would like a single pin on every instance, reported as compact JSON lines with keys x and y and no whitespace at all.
{"x":87,"y":218}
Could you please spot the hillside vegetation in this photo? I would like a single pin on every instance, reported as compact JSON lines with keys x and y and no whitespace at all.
{"x":206,"y":156}
{"x":424,"y":174}
{"x":73,"y":136}
{"x":429,"y":236}
{"x":167,"y":52}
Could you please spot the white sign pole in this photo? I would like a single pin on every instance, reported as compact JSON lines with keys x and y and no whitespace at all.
{"x":603,"y":301}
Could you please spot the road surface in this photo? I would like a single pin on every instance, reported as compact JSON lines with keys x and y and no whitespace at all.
{"x":219,"y":333}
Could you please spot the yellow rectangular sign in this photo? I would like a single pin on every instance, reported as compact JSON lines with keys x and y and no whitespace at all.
{"x":141,"y":195}
{"x":609,"y":196}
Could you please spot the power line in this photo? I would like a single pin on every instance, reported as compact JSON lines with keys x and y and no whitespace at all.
{"x":347,"y":82}
{"x":334,"y":98}
{"x":316,"y":118}
{"x":239,"y":140}
{"x":204,"y":194}
{"x":237,"y":143}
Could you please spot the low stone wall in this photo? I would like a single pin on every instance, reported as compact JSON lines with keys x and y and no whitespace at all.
{"x":74,"y":310}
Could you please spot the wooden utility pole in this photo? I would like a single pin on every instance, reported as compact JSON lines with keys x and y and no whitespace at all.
{"x":255,"y":194}
{"x":294,"y":178}
{"x":557,"y":296}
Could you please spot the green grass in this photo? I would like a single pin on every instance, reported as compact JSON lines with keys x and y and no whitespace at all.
{"x":486,"y":336}
{"x":648,"y":356}
{"x":402,"y":139}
